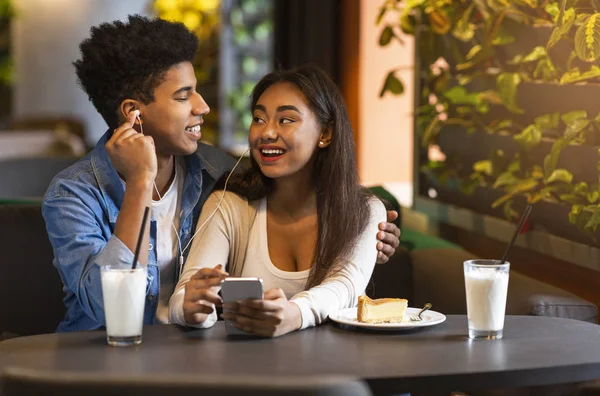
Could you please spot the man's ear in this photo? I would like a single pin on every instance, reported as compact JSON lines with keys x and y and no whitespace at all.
{"x":325,"y":138}
{"x":127,"y":106}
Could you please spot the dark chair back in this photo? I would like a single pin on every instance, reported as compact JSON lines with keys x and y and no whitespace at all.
{"x":17,"y":381}
{"x":30,"y":287}
{"x":29,"y":177}
{"x":393,"y":279}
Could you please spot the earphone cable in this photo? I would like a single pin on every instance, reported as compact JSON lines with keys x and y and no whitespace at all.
{"x":181,"y":251}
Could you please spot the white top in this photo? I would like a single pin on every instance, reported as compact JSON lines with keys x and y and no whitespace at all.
{"x":237,"y":236}
{"x":166,"y":214}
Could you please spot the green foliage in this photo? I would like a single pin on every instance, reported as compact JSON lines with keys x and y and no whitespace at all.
{"x":471,"y":37}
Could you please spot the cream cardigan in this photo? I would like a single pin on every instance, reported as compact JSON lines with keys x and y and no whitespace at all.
{"x":236,"y":235}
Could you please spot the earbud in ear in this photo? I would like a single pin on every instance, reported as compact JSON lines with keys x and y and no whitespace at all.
{"x":136,"y":114}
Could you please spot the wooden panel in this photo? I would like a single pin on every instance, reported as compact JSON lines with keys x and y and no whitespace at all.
{"x":349,"y":65}
{"x":575,"y":279}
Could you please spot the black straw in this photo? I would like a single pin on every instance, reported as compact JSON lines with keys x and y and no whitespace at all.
{"x":139,"y":242}
{"x":517,"y":231}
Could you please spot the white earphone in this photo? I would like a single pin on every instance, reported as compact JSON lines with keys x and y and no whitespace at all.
{"x":181,"y":251}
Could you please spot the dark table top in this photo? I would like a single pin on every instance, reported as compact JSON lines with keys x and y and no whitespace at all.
{"x":534,"y":351}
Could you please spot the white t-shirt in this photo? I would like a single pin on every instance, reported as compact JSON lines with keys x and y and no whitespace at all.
{"x":236,"y":237}
{"x":166,"y":214}
{"x":258,"y":262}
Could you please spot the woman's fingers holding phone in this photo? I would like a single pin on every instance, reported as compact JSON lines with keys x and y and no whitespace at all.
{"x":203,"y":290}
{"x":207,"y":273}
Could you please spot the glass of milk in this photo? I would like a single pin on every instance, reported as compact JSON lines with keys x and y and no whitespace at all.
{"x":124,"y":293}
{"x":486,"y":285}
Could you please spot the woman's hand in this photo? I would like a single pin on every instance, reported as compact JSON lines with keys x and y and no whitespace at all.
{"x":272,"y":316}
{"x":389,"y":238}
{"x":201,"y":294}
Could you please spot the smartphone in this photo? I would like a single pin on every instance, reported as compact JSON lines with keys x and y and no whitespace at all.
{"x":233,"y":289}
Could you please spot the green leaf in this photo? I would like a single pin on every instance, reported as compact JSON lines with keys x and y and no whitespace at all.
{"x":509,"y":212}
{"x":572,"y":57}
{"x":484,"y":167}
{"x":592,"y":223}
{"x":382,"y":12}
{"x":574,"y":213}
{"x":492,"y":26}
{"x":458,"y":95}
{"x":593,"y":196}
{"x":581,"y":18}
{"x":576,"y":122}
{"x":536,"y":54}
{"x":503,"y":199}
{"x":530,"y":137}
{"x":545,"y":70}
{"x":575,"y":129}
{"x":473,"y":51}
{"x":560,"y":175}
{"x":537,"y":172}
{"x":490,"y":96}
{"x":570,"y":198}
{"x":563,"y":28}
{"x":387,"y":34}
{"x":535,"y":197}
{"x":572,"y":116}
{"x":587,"y":39}
{"x":392,"y":84}
{"x":478,"y":56}
{"x":507,"y":84}
{"x":503,"y":39}
{"x":581,"y":188}
{"x":523,"y":186}
{"x":504,"y":179}
{"x":514,"y":166}
{"x":551,"y":159}
{"x":548,"y":121}
{"x":499,"y":125}
{"x":469,"y":186}
{"x":552,"y":9}
{"x":465,"y":30}
{"x":574,"y":75}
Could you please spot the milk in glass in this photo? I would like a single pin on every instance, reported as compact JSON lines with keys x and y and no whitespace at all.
{"x":486,"y":286}
{"x":124,"y":292}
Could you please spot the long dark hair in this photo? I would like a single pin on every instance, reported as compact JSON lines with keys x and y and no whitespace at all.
{"x":342,"y":204}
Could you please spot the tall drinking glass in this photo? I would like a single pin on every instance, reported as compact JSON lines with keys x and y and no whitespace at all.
{"x":124,"y":295}
{"x":486,"y":286}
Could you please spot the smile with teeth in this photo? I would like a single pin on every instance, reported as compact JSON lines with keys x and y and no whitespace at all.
{"x":194,"y":129}
{"x":272,"y":152}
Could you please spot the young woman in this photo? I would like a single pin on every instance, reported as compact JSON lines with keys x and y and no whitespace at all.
{"x":300,"y":219}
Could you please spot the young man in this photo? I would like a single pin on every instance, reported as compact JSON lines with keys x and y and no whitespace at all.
{"x":140,"y":78}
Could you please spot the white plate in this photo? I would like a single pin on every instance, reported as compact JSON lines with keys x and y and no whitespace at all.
{"x":348,"y":317}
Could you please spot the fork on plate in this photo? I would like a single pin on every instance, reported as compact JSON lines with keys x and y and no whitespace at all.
{"x":418,"y":317}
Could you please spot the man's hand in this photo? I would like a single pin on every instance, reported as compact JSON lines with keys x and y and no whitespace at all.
{"x":132,"y":154}
{"x":201,"y":294}
{"x":272,"y":316}
{"x":389,"y":238}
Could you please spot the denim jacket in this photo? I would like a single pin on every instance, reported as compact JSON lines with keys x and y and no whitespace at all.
{"x":81,"y":208}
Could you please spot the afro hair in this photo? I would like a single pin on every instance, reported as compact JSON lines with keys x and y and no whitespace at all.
{"x":128,"y":60}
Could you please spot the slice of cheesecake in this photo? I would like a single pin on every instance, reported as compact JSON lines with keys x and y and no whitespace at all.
{"x":382,"y":310}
